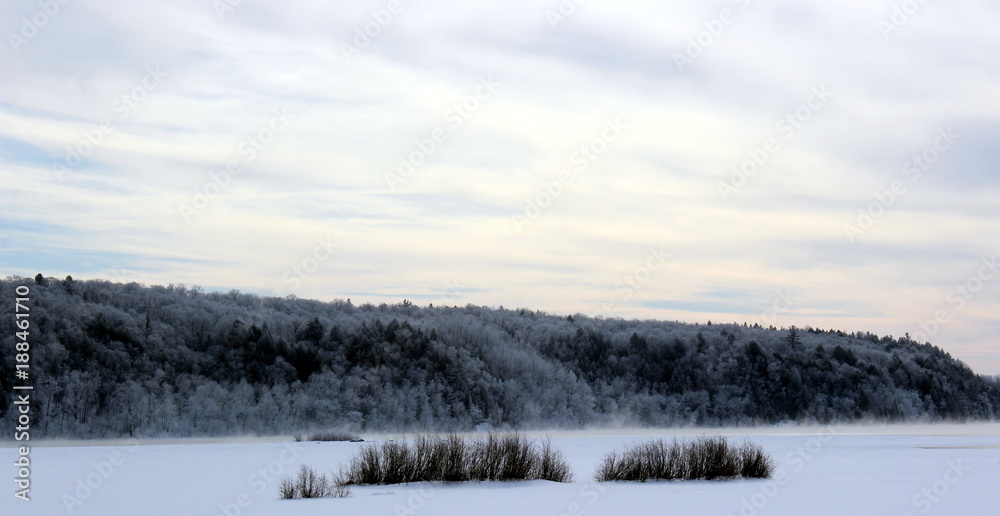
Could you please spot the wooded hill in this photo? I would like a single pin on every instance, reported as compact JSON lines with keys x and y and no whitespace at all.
{"x":112,"y":359}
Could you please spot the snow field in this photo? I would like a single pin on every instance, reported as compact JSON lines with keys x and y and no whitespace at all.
{"x":933,"y":470}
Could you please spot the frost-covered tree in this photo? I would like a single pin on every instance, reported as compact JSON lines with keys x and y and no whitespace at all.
{"x":124,"y":359}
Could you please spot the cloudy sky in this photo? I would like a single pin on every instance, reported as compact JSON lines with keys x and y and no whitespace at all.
{"x":785,"y":162}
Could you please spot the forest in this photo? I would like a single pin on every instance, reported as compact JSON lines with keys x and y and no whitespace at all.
{"x":113,"y":360}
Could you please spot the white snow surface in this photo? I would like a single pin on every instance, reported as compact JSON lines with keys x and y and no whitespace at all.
{"x":884,"y":470}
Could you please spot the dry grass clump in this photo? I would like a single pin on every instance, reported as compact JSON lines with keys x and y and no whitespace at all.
{"x":452,"y":458}
{"x":309,"y":484}
{"x":705,"y":458}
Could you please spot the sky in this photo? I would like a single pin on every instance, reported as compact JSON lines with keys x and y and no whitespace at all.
{"x":817,"y":164}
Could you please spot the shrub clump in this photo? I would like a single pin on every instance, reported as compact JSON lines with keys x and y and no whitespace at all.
{"x":452,"y":458}
{"x":309,"y":484}
{"x":705,"y":458}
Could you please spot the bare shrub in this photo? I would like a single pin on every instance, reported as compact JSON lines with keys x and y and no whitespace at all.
{"x":754,"y":462}
{"x":452,"y":458}
{"x":309,"y":484}
{"x":287,"y":489}
{"x":365,"y":467}
{"x":551,"y":464}
{"x":706,"y":458}
{"x":711,"y":458}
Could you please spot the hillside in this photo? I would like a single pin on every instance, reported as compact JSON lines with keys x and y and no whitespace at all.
{"x":114,"y":359}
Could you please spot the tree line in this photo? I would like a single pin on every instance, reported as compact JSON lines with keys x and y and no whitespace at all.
{"x":113,"y":359}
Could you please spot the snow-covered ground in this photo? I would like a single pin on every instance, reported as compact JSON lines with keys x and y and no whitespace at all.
{"x":944,"y":470}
